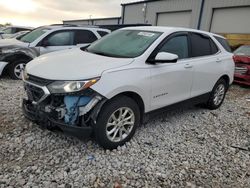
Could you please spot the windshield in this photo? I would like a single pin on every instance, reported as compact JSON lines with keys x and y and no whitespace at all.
{"x":33,"y":35}
{"x":243,"y":50}
{"x":124,"y":43}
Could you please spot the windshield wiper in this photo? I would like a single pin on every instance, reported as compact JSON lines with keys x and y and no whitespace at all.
{"x":25,"y":41}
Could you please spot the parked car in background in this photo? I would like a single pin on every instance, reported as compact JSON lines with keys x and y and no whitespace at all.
{"x":8,"y":32}
{"x":242,"y":65}
{"x":107,"y":88}
{"x":15,"y":53}
{"x":19,"y":35}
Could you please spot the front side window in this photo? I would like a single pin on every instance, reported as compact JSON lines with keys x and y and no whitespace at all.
{"x":63,"y":38}
{"x":33,"y":35}
{"x":124,"y":43}
{"x":177,"y":45}
{"x":202,"y":45}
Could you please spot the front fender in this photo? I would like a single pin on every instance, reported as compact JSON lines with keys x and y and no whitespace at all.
{"x":12,"y":51}
{"x":130,"y":80}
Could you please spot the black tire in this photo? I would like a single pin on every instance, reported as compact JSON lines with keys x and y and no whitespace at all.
{"x":112,"y":107}
{"x":211,"y":103}
{"x":11,"y":68}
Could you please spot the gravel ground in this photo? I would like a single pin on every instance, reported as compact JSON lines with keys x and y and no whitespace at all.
{"x":190,"y":147}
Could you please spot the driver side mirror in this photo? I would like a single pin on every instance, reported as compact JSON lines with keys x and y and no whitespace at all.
{"x":165,"y":57}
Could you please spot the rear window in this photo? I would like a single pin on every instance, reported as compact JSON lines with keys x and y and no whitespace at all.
{"x":243,"y":51}
{"x":224,"y":43}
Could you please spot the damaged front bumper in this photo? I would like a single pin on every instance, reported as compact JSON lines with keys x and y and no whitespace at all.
{"x":33,"y":113}
{"x":50,"y":111}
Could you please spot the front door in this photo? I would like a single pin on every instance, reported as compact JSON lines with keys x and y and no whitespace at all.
{"x":172,"y":82}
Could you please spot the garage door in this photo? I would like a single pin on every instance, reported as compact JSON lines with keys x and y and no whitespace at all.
{"x":178,"y":19}
{"x":231,"y":20}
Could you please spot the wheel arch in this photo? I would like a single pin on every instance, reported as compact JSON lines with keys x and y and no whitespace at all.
{"x":137,"y":98}
{"x":11,"y":58}
{"x":226,"y":78}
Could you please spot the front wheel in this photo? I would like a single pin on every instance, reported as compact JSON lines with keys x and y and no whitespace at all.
{"x":217,"y":95}
{"x":117,"y":122}
{"x":15,"y":69}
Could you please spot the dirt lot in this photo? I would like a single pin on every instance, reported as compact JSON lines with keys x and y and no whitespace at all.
{"x":188,"y":147}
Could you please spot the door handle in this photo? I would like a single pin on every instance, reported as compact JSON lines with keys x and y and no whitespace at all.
{"x":188,"y":66}
{"x":218,"y":60}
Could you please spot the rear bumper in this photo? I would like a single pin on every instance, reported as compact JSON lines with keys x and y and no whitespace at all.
{"x":242,"y":79}
{"x":33,"y":113}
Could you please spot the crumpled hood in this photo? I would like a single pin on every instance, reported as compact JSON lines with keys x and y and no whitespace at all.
{"x":12,"y":42}
{"x":73,"y":64}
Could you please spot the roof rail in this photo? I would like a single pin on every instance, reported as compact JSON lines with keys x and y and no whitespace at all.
{"x":64,"y":25}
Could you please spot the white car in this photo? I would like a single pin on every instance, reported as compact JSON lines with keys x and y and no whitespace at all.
{"x":17,"y":52}
{"x":106,"y":89}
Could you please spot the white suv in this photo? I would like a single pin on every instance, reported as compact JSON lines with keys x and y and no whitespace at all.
{"x":106,"y":89}
{"x":16,"y":52}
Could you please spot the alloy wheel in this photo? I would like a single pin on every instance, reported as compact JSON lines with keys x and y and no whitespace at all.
{"x":18,"y":70}
{"x":120,"y":124}
{"x":219,"y":94}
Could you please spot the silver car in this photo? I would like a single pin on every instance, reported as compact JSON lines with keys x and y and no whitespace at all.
{"x":15,"y":53}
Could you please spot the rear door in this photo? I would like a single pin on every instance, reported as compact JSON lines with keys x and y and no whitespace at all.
{"x":207,"y":63}
{"x":171,"y":82}
{"x":59,"y":40}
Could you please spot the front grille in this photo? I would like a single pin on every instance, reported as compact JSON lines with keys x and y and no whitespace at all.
{"x":34,"y":93}
{"x":240,"y":70}
{"x":38,"y":80}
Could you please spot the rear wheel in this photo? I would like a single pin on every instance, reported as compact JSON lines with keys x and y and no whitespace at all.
{"x":15,"y":69}
{"x":217,"y":95}
{"x":117,"y":122}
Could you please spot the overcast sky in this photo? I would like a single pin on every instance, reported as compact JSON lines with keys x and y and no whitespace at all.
{"x":42,"y":12}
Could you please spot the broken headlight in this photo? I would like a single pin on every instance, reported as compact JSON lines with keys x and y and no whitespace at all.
{"x":70,"y":86}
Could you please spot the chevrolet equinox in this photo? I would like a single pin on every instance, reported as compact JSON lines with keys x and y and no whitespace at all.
{"x":105,"y":90}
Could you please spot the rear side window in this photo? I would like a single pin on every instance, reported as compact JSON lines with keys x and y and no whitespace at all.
{"x":21,"y":29}
{"x":84,"y":36}
{"x":102,"y":33}
{"x":202,"y":45}
{"x":224,"y":43}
